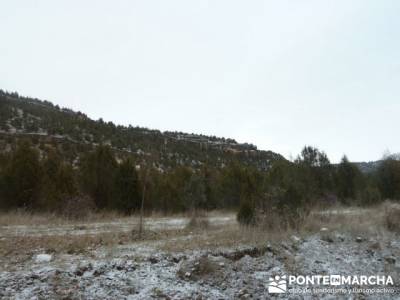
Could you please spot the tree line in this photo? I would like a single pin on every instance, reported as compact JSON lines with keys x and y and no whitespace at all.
{"x":45,"y":181}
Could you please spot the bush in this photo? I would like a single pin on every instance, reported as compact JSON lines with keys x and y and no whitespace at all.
{"x":246,"y":214}
{"x":392,"y":218}
{"x":292,"y":208}
{"x":197,"y":222}
{"x":22,"y":177}
{"x":371,"y":196}
{"x":197,"y":268}
{"x":77,"y":207}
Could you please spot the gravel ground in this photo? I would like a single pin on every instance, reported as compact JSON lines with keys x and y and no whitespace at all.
{"x":142,"y":271}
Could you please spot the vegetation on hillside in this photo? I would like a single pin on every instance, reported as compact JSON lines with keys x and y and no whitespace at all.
{"x":56,"y":160}
{"x":74,"y":134}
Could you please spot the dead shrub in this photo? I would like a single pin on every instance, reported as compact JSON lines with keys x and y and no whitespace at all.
{"x":198,"y":222}
{"x":196,"y":269}
{"x":278,"y":220}
{"x":246,"y":214}
{"x":392,"y":218}
{"x":77,"y":207}
{"x":270,"y":220}
{"x":69,"y":244}
{"x":25,"y":217}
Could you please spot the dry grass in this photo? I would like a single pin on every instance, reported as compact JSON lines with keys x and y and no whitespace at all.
{"x":374,"y":221}
{"x":392,"y":217}
{"x":23,"y":217}
{"x":188,"y":214}
{"x":231,"y":236}
{"x":27,"y":246}
{"x":367,"y":221}
{"x":371,"y":222}
{"x":76,"y":244}
{"x":198,"y":223}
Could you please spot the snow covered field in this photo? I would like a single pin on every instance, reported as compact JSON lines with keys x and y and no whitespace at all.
{"x":104,"y":227}
{"x":223,"y":261}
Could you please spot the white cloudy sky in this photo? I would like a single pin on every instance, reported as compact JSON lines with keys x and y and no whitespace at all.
{"x":279,"y":74}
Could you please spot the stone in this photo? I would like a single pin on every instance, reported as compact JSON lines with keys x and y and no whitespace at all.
{"x":43,"y":258}
{"x":327,"y":238}
{"x":375,"y":246}
{"x":390,"y":260}
{"x":296,"y":239}
{"x":359,"y":239}
{"x":153,"y":260}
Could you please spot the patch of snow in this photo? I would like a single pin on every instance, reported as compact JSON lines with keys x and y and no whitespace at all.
{"x":43,"y":258}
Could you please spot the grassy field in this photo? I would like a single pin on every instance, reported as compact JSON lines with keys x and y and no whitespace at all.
{"x":181,"y":257}
{"x":22,"y":232}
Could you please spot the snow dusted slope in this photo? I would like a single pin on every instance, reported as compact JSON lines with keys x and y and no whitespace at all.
{"x":145,"y":270}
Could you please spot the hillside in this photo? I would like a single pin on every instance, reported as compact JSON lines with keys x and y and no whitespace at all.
{"x":368,"y":167}
{"x":372,"y":166}
{"x":74,"y":133}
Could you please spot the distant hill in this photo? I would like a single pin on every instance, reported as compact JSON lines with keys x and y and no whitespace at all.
{"x":74,"y":133}
{"x":368,"y":167}
{"x":372,"y":166}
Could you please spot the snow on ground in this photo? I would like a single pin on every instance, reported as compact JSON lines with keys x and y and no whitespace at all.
{"x":140,"y":270}
{"x":348,"y":212}
{"x":104,"y":227}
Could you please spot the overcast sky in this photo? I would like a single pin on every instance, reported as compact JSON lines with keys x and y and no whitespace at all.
{"x":279,"y":74}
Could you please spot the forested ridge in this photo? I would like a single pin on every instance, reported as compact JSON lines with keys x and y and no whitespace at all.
{"x":55,"y":159}
{"x":25,"y":116}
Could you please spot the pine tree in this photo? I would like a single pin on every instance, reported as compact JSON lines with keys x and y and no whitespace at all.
{"x":22,"y":177}
{"x":97,"y":175}
{"x":58,"y":182}
{"x":127,"y":195}
{"x":3,"y":166}
{"x":349,"y":178}
{"x":246,"y":213}
{"x":389,"y":178}
{"x":315,"y":170}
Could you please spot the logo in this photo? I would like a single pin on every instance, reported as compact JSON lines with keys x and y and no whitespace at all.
{"x":313,"y":284}
{"x":277,"y":285}
{"x":335,"y":280}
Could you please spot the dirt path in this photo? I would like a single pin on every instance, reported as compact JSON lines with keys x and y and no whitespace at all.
{"x":93,"y":228}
